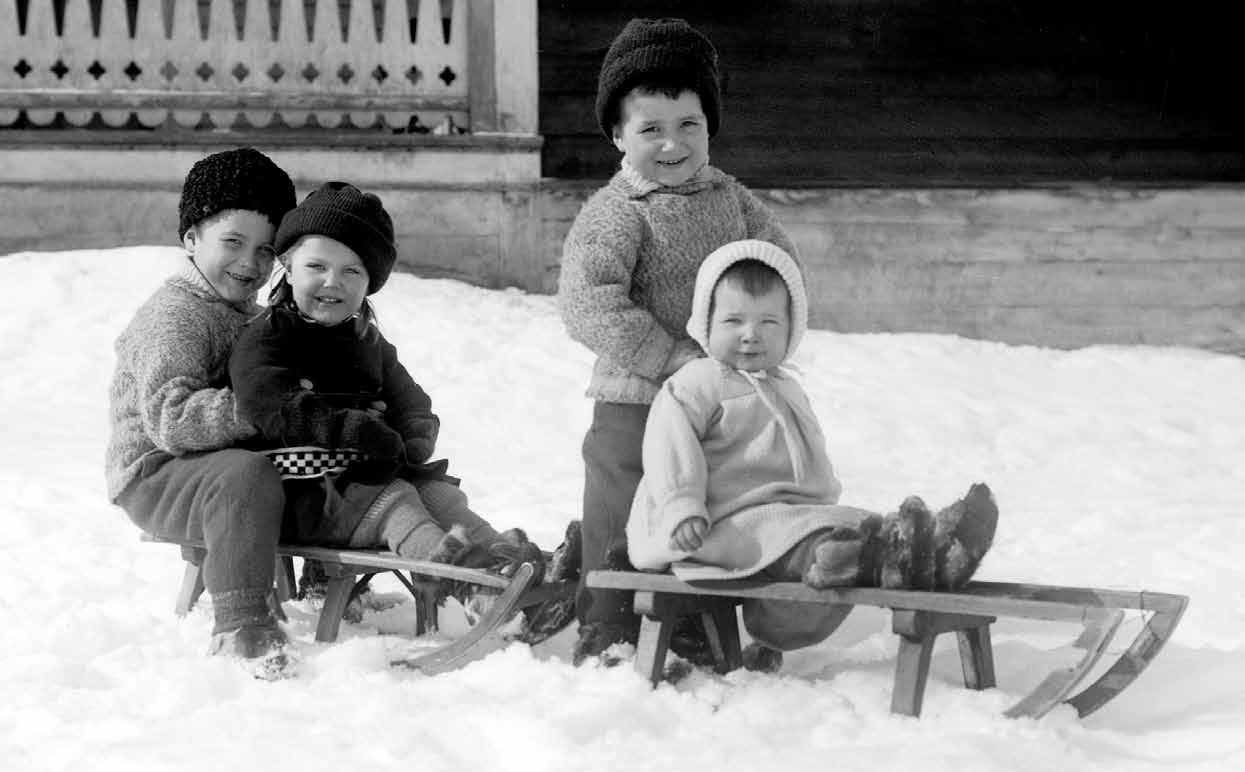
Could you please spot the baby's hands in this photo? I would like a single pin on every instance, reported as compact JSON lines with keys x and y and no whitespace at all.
{"x":689,"y":534}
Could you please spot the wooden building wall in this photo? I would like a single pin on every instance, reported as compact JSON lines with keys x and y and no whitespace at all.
{"x":930,"y":92}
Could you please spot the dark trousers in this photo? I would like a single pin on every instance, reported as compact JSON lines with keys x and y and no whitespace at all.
{"x":786,"y":625}
{"x":230,"y":499}
{"x":612,"y":471}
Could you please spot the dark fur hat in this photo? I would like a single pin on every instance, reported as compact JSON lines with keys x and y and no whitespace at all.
{"x":243,"y":178}
{"x":344,"y":213}
{"x":666,"y":52}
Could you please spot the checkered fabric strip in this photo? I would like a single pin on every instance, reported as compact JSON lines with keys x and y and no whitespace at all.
{"x":306,"y":462}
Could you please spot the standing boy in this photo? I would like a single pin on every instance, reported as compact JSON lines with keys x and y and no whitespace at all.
{"x":629,"y":266}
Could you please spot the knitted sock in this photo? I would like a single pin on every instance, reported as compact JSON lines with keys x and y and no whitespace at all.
{"x":236,"y":609}
{"x":415,"y":540}
{"x":837,"y":559}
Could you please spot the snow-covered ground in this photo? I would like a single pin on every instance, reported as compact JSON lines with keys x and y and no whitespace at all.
{"x":1118,"y":467}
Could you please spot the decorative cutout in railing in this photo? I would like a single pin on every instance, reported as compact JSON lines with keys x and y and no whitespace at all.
{"x":230,"y":63}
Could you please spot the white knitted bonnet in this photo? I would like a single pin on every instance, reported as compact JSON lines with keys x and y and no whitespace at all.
{"x":749,"y":249}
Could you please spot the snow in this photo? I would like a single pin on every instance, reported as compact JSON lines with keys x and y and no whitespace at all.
{"x":1115,"y":467}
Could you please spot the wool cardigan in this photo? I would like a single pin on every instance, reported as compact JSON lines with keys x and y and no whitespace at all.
{"x":629,"y":265}
{"x":744,"y":451}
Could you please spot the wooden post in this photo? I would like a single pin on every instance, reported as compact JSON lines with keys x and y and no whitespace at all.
{"x":481,"y":65}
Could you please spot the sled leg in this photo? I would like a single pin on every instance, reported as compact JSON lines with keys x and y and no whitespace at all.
{"x":483,"y":638}
{"x":286,"y":583}
{"x":1100,"y":626}
{"x":722,"y":629}
{"x":917,"y":631}
{"x":652,"y":646}
{"x":191,"y":589}
{"x":976,"y":657}
{"x":1167,"y":610}
{"x":911,"y":672}
{"x":335,"y":599}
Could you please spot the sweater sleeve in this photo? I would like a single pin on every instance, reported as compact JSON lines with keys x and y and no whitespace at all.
{"x":183,"y":408}
{"x":408,"y":408}
{"x":675,"y":470}
{"x":594,"y":288}
{"x":761,"y":223}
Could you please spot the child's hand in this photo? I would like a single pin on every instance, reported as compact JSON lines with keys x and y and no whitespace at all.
{"x":689,"y":534}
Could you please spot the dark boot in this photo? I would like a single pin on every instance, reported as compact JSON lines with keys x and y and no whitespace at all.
{"x":760,"y":658}
{"x":313,"y":582}
{"x":906,"y":548}
{"x":501,"y":555}
{"x":595,"y":638}
{"x":548,"y":618}
{"x":249,"y":641}
{"x":690,"y":641}
{"x":963,"y":533}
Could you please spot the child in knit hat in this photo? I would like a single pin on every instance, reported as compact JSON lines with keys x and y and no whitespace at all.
{"x":170,"y":463}
{"x":348,"y":428}
{"x":737,"y":482}
{"x":628,"y":264}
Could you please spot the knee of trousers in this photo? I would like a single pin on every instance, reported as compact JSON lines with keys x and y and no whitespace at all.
{"x":256,"y":479}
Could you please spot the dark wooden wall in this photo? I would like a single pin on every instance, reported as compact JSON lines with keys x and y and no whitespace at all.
{"x":957,"y":92}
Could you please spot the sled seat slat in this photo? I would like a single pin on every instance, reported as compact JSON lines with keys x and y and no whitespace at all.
{"x":918,"y":617}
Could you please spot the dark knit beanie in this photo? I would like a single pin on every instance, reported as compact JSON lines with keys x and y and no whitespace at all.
{"x":344,"y":213}
{"x":663,"y":51}
{"x":234,"y":179}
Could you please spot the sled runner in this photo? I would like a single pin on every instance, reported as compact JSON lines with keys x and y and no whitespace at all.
{"x":349,"y":569}
{"x":918,"y":617}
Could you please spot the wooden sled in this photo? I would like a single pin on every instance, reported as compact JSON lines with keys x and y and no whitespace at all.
{"x":918,"y":618}
{"x":349,"y":569}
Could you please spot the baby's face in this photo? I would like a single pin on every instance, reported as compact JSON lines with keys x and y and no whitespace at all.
{"x":328,"y":278}
{"x":666,"y":140}
{"x":749,"y":332}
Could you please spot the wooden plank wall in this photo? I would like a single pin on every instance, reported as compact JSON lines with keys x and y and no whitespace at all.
{"x":1064,"y":267}
{"x":929,"y":92}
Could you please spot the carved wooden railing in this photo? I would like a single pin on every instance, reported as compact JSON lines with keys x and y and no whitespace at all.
{"x":256,"y":64}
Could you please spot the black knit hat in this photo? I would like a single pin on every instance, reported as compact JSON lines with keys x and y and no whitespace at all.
{"x":667,"y":52}
{"x":344,"y":213}
{"x":234,"y":179}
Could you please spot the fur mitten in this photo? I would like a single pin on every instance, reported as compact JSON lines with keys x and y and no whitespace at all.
{"x":368,"y":432}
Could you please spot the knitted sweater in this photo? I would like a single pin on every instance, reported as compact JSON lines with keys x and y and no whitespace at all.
{"x":169,"y":393}
{"x":629,"y":265}
{"x":746,"y":452}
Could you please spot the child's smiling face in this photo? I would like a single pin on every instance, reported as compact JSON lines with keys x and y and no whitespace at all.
{"x":665,"y":139}
{"x":328,"y":279}
{"x":234,"y":252}
{"x":746,"y":331}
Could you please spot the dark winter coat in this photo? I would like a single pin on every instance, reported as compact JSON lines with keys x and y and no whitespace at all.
{"x":304,"y":384}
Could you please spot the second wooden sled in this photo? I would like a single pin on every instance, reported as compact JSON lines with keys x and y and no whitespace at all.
{"x":348,"y":569}
{"x":918,"y":617}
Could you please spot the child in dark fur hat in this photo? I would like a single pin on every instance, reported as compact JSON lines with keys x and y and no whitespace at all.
{"x":628,"y":265}
{"x":170,"y":463}
{"x":737,"y":482}
{"x":350,"y":431}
